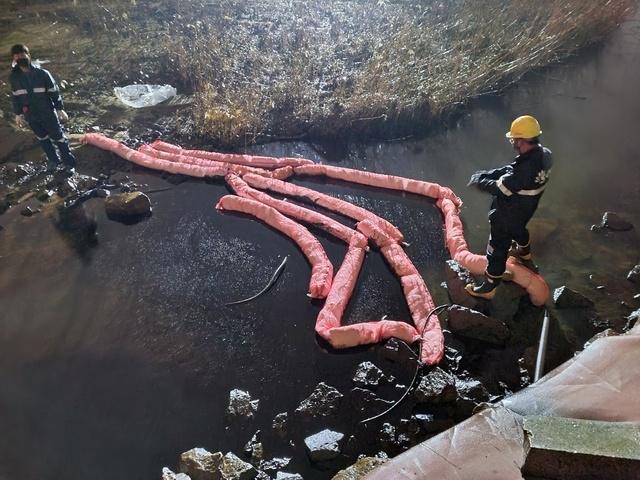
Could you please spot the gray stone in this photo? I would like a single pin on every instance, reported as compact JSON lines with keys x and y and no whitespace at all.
{"x":127,"y":206}
{"x":368,"y":375}
{"x":200,"y":464}
{"x":279,"y":424}
{"x":167,"y":474}
{"x":324,"y":445}
{"x":322,"y":402}
{"x":28,"y":211}
{"x":632,"y":320}
{"x":254,"y":448}
{"x":615,"y":222}
{"x":473,"y":324}
{"x":288,"y":476}
{"x":395,"y":351}
{"x":241,"y":404}
{"x":634,"y":274}
{"x":360,"y":469}
{"x":275,"y":464}
{"x":429,"y":423}
{"x":436,"y":387}
{"x":234,"y":468}
{"x":365,"y":401}
{"x":457,"y":278}
{"x":564,"y":297}
{"x":387,"y":435}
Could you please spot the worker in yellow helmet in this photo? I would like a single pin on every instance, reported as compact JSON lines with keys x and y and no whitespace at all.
{"x":516,"y":190}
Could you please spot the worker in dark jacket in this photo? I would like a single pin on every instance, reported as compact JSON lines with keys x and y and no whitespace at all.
{"x":37,"y":103}
{"x":516,"y":190}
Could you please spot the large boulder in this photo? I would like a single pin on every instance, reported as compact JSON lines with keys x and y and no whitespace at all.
{"x":324,"y":445}
{"x":564,"y":297}
{"x":241,"y":404}
{"x":472,"y":324}
{"x":322,"y":402}
{"x":200,"y":464}
{"x":437,"y":386}
{"x":128,"y":207}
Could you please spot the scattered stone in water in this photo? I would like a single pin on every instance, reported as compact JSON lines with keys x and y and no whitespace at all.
{"x":44,"y":195}
{"x":241,"y":404}
{"x":200,"y":464}
{"x":360,"y":469}
{"x":275,"y":464}
{"x":325,"y":445}
{"x":365,"y":401}
{"x":322,"y":402}
{"x":632,"y":320}
{"x":102,"y":192}
{"x":457,"y":278}
{"x":254,"y":448}
{"x":288,"y":476}
{"x":167,"y":474}
{"x":234,"y":468}
{"x":472,"y":324}
{"x":28,"y":211}
{"x":127,"y":206}
{"x":436,"y":387}
{"x":368,"y":375}
{"x":613,"y":221}
{"x":67,"y":187}
{"x":387,"y":436}
{"x":395,"y":351}
{"x":279,"y":424}
{"x":564,"y":297}
{"x":430,"y":424}
{"x":634,"y":274}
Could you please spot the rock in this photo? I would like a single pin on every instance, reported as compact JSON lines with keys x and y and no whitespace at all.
{"x":472,"y":324}
{"x":360,"y":469}
{"x":394,"y":351}
{"x":632,"y":320}
{"x":241,"y":404}
{"x":634,"y":274}
{"x":44,"y":195}
{"x":288,"y":476}
{"x":457,"y":278}
{"x":324,"y":445}
{"x":27,"y":211}
{"x":200,"y":464}
{"x":365,"y":401}
{"x":127,"y":206}
{"x":102,"y":192}
{"x":254,"y":449}
{"x":436,"y":387}
{"x":615,"y":222}
{"x":368,"y":375}
{"x":322,"y":402}
{"x":387,"y":436}
{"x":279,"y":424}
{"x":472,"y":389}
{"x":85,"y":182}
{"x":169,"y":475}
{"x":430,"y":424}
{"x":564,"y":297}
{"x":233,"y":468}
{"x":275,"y":464}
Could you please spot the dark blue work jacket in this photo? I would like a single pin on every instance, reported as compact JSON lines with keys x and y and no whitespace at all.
{"x":34,"y":93}
{"x":517,"y":187}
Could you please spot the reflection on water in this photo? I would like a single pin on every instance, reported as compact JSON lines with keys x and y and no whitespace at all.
{"x":115,"y":357}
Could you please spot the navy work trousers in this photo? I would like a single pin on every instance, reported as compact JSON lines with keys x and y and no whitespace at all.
{"x":48,"y":130}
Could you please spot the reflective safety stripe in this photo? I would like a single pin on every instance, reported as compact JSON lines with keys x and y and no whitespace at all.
{"x":39,"y":90}
{"x":532,"y":193}
{"x":42,"y":138}
{"x":22,"y":91}
{"x":52,"y":89}
{"x":502,"y":188}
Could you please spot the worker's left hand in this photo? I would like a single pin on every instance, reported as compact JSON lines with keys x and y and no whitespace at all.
{"x":62,"y":115}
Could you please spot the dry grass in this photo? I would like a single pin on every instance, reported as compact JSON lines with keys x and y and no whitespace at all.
{"x":285,"y":68}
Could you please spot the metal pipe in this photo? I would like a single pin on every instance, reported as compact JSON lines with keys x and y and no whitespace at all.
{"x":542,"y":347}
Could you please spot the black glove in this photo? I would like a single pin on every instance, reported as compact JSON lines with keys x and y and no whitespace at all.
{"x":475,"y":179}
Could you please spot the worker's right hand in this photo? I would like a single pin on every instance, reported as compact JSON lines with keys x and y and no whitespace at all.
{"x":20,"y":121}
{"x":475,"y":179}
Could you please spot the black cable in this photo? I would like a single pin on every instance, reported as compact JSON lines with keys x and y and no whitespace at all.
{"x":415,"y":373}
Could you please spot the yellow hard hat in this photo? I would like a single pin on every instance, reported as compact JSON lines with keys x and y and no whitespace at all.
{"x":524,"y":127}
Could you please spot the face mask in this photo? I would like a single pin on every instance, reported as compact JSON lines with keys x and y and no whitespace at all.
{"x":23,"y":62}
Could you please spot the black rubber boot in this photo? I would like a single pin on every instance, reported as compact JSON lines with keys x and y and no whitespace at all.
{"x":486,"y":289}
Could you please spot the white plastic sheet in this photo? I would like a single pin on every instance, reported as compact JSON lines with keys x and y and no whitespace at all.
{"x":138,"y":96}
